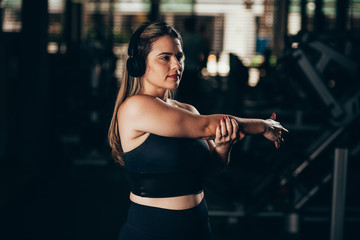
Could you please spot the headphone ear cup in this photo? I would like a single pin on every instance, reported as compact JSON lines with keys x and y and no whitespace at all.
{"x":136,"y":66}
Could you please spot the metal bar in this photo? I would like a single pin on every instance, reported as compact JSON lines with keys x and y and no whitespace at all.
{"x":316,"y":81}
{"x":322,"y":63}
{"x":292,"y":223}
{"x":338,"y":194}
{"x":324,"y":141}
{"x":345,"y":62}
{"x":299,"y":204}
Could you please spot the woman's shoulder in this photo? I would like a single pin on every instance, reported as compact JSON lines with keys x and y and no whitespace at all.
{"x":137,"y":104}
{"x":134,"y":105}
{"x":137,"y":100}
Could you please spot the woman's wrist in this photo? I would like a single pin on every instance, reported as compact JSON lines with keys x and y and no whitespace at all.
{"x":252,"y":126}
{"x":264,"y":126}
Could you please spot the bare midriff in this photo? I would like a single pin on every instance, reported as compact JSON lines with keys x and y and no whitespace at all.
{"x":172,"y":203}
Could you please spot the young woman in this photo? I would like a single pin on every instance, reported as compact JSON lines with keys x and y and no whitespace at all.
{"x":166,"y":146}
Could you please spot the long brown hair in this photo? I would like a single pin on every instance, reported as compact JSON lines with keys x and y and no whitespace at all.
{"x":133,"y":85}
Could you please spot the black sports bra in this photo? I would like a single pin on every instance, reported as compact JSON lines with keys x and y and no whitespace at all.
{"x":167,"y":166}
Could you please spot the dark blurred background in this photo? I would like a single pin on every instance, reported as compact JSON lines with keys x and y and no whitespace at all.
{"x":61,"y":63}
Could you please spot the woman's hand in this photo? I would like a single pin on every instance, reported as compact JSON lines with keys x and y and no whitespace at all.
{"x":227,"y":134}
{"x":274,"y":131}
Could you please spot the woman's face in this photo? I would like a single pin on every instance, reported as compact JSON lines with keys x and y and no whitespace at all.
{"x":164,"y":65}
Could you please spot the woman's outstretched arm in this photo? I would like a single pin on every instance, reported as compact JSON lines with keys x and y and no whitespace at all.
{"x":143,"y":113}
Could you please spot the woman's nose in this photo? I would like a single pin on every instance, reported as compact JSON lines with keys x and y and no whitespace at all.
{"x":175,"y":63}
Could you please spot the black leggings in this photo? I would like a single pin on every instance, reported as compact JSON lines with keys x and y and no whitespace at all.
{"x":144,"y":222}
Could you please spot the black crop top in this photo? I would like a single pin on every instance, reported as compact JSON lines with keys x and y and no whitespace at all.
{"x":166,"y":166}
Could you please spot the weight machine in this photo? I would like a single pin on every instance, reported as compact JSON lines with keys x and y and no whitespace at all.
{"x":341,"y":115}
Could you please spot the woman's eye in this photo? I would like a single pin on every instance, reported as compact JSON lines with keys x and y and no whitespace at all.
{"x":166,"y":58}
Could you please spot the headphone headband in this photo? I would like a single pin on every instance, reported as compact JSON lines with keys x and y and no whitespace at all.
{"x":135,"y":64}
{"x":133,"y":44}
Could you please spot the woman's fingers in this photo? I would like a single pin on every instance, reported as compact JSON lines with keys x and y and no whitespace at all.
{"x":281,"y":128}
{"x":279,"y":139}
{"x":218,"y":134}
{"x":275,"y":131}
{"x":276,"y":124}
{"x":241,"y":135}
{"x":227,"y":133}
{"x":235,"y":128}
{"x":284,"y":129}
{"x":273,"y":116}
{"x":236,"y":134}
{"x":224,"y":128}
{"x":229,"y":126}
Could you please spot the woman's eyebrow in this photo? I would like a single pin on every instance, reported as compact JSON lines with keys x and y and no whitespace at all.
{"x":170,"y":53}
{"x":165,"y":53}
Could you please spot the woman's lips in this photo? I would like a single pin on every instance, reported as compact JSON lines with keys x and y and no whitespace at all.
{"x":174,"y":76}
